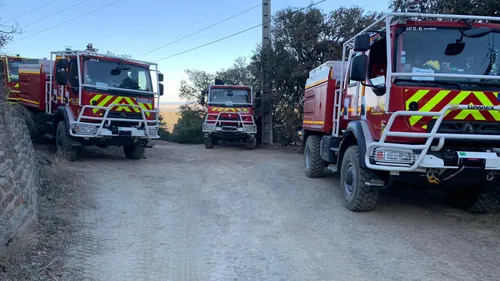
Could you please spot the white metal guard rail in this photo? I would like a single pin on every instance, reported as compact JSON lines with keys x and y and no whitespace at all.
{"x":430,"y":137}
{"x":105,"y":119}
{"x":238,"y":122}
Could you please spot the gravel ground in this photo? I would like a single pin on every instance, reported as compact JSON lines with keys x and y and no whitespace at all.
{"x":186,"y":213}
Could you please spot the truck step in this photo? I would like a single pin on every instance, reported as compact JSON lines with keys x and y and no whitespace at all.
{"x":333,"y":168}
{"x":375,"y":183}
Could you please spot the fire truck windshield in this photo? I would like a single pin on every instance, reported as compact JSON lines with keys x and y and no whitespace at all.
{"x":223,"y":95}
{"x":103,"y":74}
{"x":422,"y":50}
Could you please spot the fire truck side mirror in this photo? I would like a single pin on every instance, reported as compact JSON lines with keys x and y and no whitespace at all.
{"x":358,"y":68}
{"x":61,"y":77}
{"x":161,"y":89}
{"x":160,"y":77}
{"x":202,"y":99}
{"x":362,"y":43}
{"x":62,"y":63}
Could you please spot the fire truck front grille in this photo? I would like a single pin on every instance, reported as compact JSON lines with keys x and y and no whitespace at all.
{"x":125,"y":115}
{"x":473,"y":128}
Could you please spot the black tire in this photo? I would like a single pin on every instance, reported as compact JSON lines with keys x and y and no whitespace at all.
{"x":315,"y":166}
{"x":481,"y":199}
{"x":209,"y":142}
{"x":250,"y":144}
{"x":356,"y":195}
{"x":31,"y":122}
{"x":135,"y":151}
{"x":63,"y":143}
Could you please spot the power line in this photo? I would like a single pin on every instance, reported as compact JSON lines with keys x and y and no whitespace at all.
{"x":56,"y":13}
{"x":234,"y":34}
{"x":72,"y":19}
{"x":208,"y":27}
{"x":37,"y":8}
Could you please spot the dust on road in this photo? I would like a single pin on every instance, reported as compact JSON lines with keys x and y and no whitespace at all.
{"x":186,"y":213}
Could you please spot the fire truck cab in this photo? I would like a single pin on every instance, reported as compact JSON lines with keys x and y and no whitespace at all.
{"x":230,"y":115}
{"x":82,"y":98}
{"x":417,"y":100}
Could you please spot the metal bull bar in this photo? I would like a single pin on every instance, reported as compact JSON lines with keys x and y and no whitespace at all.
{"x":410,"y":148}
{"x":105,"y":119}
{"x":237,"y":122}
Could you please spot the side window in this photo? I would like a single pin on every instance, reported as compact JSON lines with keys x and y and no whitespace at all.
{"x":352,"y":83}
{"x":73,"y":74}
{"x":142,"y":80}
{"x":377,"y":64}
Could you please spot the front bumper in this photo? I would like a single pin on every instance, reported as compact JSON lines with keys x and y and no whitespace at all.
{"x":135,"y":128}
{"x":90,"y":130}
{"x":388,"y":159}
{"x":245,"y":129}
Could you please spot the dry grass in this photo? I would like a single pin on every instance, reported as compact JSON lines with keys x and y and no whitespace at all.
{"x":38,"y":254}
{"x":170,"y":114}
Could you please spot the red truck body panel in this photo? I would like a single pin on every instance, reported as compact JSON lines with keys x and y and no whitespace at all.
{"x":318,"y":106}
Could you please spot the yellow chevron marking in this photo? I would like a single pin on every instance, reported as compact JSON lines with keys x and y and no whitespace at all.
{"x":102,"y":103}
{"x":145,"y":108}
{"x":464,"y":113}
{"x":120,"y":108}
{"x":486,"y":101}
{"x":132,"y":103}
{"x":475,"y":113}
{"x":416,"y":97}
{"x":429,"y":106}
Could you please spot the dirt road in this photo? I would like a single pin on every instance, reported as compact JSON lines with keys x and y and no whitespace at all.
{"x":186,"y":213}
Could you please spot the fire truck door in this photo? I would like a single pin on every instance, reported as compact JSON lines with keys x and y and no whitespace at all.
{"x":71,"y":92}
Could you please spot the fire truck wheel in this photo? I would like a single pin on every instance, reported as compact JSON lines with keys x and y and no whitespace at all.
{"x":356,"y":195}
{"x":135,"y":151}
{"x":63,"y":143}
{"x":481,"y":199}
{"x":209,"y":143}
{"x":315,"y":166}
{"x":250,"y":144}
{"x":32,"y":126}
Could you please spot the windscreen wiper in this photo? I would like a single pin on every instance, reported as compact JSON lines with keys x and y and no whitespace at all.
{"x":423,"y":83}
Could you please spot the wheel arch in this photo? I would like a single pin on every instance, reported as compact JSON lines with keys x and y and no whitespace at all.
{"x":61,"y":115}
{"x":354,"y":135}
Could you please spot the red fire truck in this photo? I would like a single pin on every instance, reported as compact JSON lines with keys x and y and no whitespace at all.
{"x":230,"y":115}
{"x":82,"y":98}
{"x":9,"y":74}
{"x":417,"y":99}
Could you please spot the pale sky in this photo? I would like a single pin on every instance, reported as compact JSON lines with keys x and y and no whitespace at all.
{"x":137,"y":27}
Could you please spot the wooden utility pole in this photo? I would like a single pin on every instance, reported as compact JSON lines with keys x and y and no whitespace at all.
{"x":266,"y":97}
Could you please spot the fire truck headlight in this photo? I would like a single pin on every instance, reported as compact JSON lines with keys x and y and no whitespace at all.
{"x":208,"y":127}
{"x":250,"y":129}
{"x":397,"y":156}
{"x":153,"y":131}
{"x":84,"y":129}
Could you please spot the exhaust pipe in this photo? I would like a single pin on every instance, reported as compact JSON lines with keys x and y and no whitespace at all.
{"x":490,"y":176}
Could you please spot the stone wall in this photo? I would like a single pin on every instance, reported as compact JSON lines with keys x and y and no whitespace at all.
{"x":19,"y":176}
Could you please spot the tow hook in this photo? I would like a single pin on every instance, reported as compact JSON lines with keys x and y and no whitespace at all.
{"x":490,"y":176}
{"x":431,"y":178}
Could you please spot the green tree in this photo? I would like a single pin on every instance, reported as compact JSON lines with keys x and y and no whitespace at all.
{"x":302,"y":41}
{"x":197,"y":81}
{"x":188,"y":127}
